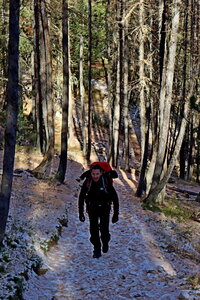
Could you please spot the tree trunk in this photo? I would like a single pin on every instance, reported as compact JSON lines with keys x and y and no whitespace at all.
{"x":121,"y":64}
{"x":184,"y":143}
{"x":37,"y":79}
{"x":4,"y":63}
{"x":82,"y":98}
{"x":116,"y":118}
{"x":108,"y":79}
{"x":43,"y":70}
{"x":150,"y":139}
{"x":182,"y":159}
{"x":65,"y":103}
{"x":49,"y":83}
{"x":144,"y":105}
{"x":164,"y":113}
{"x":117,"y":81}
{"x":190,"y":150}
{"x":142,"y":181}
{"x":198,"y":198}
{"x":126,"y":98}
{"x":150,"y":200}
{"x":166,"y":97}
{"x":198,"y":153}
{"x":89,"y":79}
{"x":11,"y":120}
{"x":45,"y":78}
{"x":71,"y":130}
{"x":162,"y":36}
{"x":142,"y":80}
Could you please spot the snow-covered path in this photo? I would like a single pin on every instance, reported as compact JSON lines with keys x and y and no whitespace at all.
{"x":133,"y":268}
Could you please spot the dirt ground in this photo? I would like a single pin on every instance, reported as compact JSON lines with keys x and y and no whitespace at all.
{"x":151,"y":256}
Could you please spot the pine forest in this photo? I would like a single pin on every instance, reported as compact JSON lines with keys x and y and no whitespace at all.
{"x":99,"y":80}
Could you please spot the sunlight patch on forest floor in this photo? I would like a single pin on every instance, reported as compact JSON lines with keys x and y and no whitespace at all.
{"x":131,"y":182}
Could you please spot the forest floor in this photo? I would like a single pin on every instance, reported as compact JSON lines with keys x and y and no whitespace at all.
{"x":151,"y":255}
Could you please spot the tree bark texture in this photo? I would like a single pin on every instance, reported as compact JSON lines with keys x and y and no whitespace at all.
{"x":142,"y":80}
{"x":116,"y":118}
{"x":82,"y":97}
{"x":184,"y":143}
{"x":108,"y":78}
{"x":66,"y":86}
{"x":3,"y":54}
{"x":11,"y":119}
{"x":153,"y":194}
{"x":37,"y":78}
{"x":89,"y":79}
{"x":126,"y":98}
{"x":166,"y":96}
{"x":46,"y":104}
{"x":162,"y":34}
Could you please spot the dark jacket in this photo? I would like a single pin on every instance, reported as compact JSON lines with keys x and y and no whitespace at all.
{"x":98,"y":194}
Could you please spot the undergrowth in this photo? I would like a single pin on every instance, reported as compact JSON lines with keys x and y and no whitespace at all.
{"x":175,"y":208}
{"x":171,"y":208}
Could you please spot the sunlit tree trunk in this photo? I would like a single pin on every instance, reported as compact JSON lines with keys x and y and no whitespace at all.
{"x":118,"y":81}
{"x":165,"y":107}
{"x":162,"y":26}
{"x":49,"y":88}
{"x":183,"y":146}
{"x":43,"y":68}
{"x":142,"y":80}
{"x":116,"y":118}
{"x":144,"y":102}
{"x":126,"y":98}
{"x":162,"y":35}
{"x":166,"y":95}
{"x":191,"y":149}
{"x":150,"y":200}
{"x":150,"y":141}
{"x":82,"y":97}
{"x":11,"y":118}
{"x":191,"y":50}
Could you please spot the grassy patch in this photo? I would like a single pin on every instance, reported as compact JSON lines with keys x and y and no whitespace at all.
{"x":175,"y":208}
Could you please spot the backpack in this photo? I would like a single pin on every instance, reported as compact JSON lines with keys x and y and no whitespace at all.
{"x":105,"y":166}
{"x":108,"y":172}
{"x":107,"y":176}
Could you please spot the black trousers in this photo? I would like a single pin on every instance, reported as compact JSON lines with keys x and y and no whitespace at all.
{"x":99,"y":226}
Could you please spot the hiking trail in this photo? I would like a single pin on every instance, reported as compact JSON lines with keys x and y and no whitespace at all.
{"x":135,"y":267}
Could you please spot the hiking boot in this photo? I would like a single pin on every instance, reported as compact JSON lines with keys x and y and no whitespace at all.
{"x":96,"y":254}
{"x":105,"y":248}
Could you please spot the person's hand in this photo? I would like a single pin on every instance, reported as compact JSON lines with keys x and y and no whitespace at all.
{"x":82,"y":217}
{"x":115,"y":218}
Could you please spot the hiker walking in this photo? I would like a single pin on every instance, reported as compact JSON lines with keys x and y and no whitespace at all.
{"x":99,"y":194}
